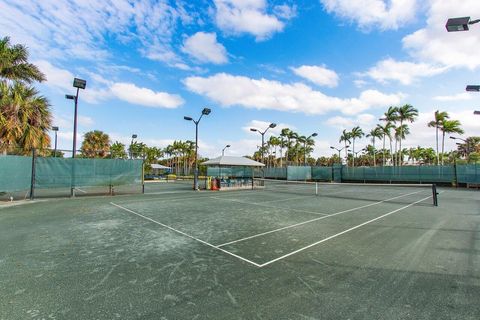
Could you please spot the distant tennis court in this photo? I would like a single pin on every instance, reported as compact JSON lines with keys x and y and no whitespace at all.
{"x":279,"y":251}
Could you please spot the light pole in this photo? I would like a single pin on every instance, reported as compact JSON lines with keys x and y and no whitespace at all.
{"x":459,"y":24}
{"x":272,"y":125}
{"x":339,"y":150}
{"x":205,"y":112}
{"x":223,"y":150}
{"x":79,"y":84}
{"x":55,"y":150}
{"x":467,"y":144}
{"x":134,"y":136}
{"x":305,"y":148}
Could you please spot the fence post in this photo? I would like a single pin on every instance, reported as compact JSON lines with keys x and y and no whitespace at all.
{"x":455,"y":172}
{"x":143,"y":176}
{"x":32,"y":182}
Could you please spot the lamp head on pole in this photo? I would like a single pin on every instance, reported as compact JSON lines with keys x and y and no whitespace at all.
{"x":134,"y":136}
{"x":476,"y":112}
{"x":253,"y":130}
{"x":272,"y":125}
{"x":206,"y":111}
{"x":70,"y":97}
{"x":314,"y":134}
{"x":332,"y":147}
{"x":188,"y":118}
{"x":473,"y":88}
{"x":79,"y":83}
{"x":55,"y":128}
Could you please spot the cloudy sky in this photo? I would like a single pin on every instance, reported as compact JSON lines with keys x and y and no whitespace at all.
{"x":311,"y":65}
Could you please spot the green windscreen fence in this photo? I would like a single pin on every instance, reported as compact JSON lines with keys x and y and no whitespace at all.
{"x":469,"y":173}
{"x":54,"y":173}
{"x":299,"y":173}
{"x":78,"y":172}
{"x":15,"y":173}
{"x":418,"y":174}
{"x":322,"y":173}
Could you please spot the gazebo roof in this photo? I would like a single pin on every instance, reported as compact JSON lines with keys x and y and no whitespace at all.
{"x":233,"y":161}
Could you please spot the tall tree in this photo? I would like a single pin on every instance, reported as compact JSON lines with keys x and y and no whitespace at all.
{"x":439,"y":117}
{"x":356,"y":133}
{"x":448,"y":127}
{"x":285,"y":134}
{"x":391,"y":117}
{"x":117,"y":151}
{"x":406,"y":113}
{"x":14,"y":65}
{"x":96,"y":144}
{"x":25,"y":116}
{"x":345,"y":137}
{"x":376,"y":132}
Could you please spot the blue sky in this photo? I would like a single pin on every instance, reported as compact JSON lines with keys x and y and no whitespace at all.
{"x":314,"y":66}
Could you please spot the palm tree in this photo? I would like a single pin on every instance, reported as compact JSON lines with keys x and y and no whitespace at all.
{"x":96,"y":144}
{"x":356,"y":132}
{"x":286,"y":134}
{"x":117,"y":151}
{"x":391,"y":116}
{"x":376,"y":132}
{"x":14,"y":65}
{"x":400,"y":134}
{"x":405,"y":113}
{"x":448,"y":127}
{"x":25,"y":117}
{"x":436,"y":123}
{"x":386,"y":131}
{"x":345,"y":137}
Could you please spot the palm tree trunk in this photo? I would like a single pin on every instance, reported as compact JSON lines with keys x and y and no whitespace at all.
{"x":443,"y":144}
{"x":384,"y":150}
{"x":436,"y":137}
{"x":353,"y":156}
{"x":400,"y":158}
{"x":374,"y":162}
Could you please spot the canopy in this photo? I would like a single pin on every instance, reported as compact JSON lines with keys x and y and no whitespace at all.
{"x":159,"y":166}
{"x":233,"y":161}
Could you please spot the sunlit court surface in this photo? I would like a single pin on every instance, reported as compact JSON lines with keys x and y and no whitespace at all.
{"x":173,"y":253}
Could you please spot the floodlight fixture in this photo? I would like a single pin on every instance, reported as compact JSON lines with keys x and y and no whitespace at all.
{"x":188,"y":118}
{"x":253,"y":130}
{"x":473,"y":88}
{"x":206,"y":111}
{"x":459,"y":24}
{"x":476,"y":112}
{"x":55,"y":128}
{"x":79,"y":83}
{"x":70,"y":97}
{"x":134,"y":136}
{"x":272,"y":125}
{"x":223,"y":150}
{"x":314,"y":134}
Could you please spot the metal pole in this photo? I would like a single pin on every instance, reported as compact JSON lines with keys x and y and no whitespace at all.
{"x":32,"y":181}
{"x":263,"y":142}
{"x":75,"y":125}
{"x":195,"y":173}
{"x":55,"y":153}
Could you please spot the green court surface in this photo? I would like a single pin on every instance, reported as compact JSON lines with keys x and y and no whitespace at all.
{"x":178,"y":254}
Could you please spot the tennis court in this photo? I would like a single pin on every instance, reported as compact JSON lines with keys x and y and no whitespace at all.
{"x":278,"y":251}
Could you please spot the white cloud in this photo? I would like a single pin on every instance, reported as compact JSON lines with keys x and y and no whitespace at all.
{"x":205,"y":48}
{"x":62,"y":80}
{"x":319,"y":75}
{"x":363,"y":120}
{"x":384,"y":14}
{"x":229,"y":90}
{"x":401,"y":71}
{"x":455,"y":97}
{"x":250,"y":16}
{"x":146,"y":97}
{"x":433,"y":44}
{"x":78,"y":29}
{"x":85,"y":121}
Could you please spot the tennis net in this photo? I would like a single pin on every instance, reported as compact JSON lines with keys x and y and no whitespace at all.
{"x":360,"y":191}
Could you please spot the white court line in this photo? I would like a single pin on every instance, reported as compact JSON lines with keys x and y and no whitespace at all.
{"x":185,"y":234}
{"x":78,"y":189}
{"x":289,"y":199}
{"x":266,"y":205}
{"x":316,"y":219}
{"x":343,"y":232}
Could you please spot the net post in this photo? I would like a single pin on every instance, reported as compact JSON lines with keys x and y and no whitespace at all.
{"x":435,"y":195}
{"x":316,"y":188}
{"x":32,"y":182}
